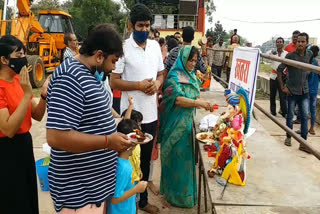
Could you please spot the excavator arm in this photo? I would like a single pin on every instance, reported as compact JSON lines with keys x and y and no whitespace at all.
{"x":25,"y":22}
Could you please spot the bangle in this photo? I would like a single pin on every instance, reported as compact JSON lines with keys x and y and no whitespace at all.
{"x":138,"y":86}
{"x":43,"y":97}
{"x":106,"y":142}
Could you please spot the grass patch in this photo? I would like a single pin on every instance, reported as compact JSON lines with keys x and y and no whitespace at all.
{"x":260,"y":95}
{"x":265,"y":68}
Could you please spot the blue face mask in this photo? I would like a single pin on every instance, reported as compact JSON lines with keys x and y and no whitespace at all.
{"x":98,"y":75}
{"x":140,"y":36}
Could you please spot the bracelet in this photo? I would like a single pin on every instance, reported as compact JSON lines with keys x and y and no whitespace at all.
{"x":106,"y":142}
{"x":43,"y":97}
{"x":138,"y":86}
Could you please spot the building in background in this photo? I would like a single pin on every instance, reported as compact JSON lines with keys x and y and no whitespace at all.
{"x":187,"y":13}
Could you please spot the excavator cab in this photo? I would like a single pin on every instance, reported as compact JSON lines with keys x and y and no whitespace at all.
{"x":43,"y":37}
{"x":48,"y":45}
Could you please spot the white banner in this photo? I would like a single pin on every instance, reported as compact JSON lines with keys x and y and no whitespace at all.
{"x":244,"y":71}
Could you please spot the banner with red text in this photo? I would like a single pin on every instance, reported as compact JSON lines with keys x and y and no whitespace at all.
{"x":244,"y":71}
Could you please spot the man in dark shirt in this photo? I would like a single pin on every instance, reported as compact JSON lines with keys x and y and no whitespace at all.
{"x":297,"y":86}
{"x":187,"y":36}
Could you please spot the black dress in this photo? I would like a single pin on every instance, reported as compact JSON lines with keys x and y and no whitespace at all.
{"x":18,"y":175}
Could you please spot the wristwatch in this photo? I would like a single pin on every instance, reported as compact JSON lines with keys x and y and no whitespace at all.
{"x":43,"y":97}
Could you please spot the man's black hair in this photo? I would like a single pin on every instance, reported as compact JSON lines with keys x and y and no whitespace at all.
{"x":135,"y":115}
{"x":172,"y":43}
{"x":127,"y":126}
{"x":90,"y":28}
{"x":188,"y":34}
{"x":156,"y":33}
{"x":235,"y":30}
{"x":161,"y":41}
{"x":304,"y":34}
{"x":177,"y":33}
{"x":140,"y":12}
{"x":296,"y":32}
{"x":102,"y":37}
{"x":194,"y":51}
{"x":280,"y":38}
{"x":315,"y":50}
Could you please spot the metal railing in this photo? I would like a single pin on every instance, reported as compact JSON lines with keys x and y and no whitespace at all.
{"x":303,"y":66}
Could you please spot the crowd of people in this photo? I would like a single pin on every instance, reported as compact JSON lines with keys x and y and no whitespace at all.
{"x":94,"y":166}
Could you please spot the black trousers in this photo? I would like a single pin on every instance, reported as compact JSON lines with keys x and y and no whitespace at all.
{"x":216,"y":70}
{"x":228,"y":74}
{"x":274,"y":87}
{"x":18,"y":175}
{"x":145,"y":157}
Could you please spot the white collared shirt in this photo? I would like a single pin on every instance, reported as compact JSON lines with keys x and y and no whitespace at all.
{"x":275,"y":64}
{"x":138,"y":64}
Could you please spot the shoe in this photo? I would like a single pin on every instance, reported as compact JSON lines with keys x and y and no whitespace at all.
{"x":296,"y":122}
{"x":150,"y":209}
{"x":304,"y":149}
{"x":298,"y":131}
{"x":274,"y":114}
{"x":284,"y":115}
{"x":287,"y":141}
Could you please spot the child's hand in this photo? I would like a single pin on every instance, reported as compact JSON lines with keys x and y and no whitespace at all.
{"x":130,"y":99}
{"x":141,"y":186}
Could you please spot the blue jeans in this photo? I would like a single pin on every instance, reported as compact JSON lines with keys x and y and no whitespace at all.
{"x":303,"y":105}
{"x":313,"y":105}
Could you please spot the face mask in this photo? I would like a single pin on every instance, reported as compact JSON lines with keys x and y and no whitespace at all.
{"x":16,"y":64}
{"x":99,"y":76}
{"x":140,"y":36}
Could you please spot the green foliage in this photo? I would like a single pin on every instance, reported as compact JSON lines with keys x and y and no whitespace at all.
{"x":210,"y":8}
{"x":265,"y":68}
{"x":86,"y":13}
{"x":45,"y":5}
{"x":217,"y":32}
{"x":9,"y":11}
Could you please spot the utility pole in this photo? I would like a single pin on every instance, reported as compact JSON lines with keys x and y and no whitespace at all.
{"x":5,"y":9}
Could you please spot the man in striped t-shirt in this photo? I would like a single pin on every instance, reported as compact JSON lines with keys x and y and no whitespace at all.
{"x":81,"y":128}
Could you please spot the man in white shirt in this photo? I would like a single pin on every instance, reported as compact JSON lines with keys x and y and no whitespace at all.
{"x":218,"y":57}
{"x":274,"y":84}
{"x":139,"y":73}
{"x":70,"y":40}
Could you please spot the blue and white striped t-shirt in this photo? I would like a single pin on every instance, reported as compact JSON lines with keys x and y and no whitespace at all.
{"x":77,"y":101}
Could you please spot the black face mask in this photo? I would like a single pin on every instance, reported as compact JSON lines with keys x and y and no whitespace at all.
{"x":16,"y":64}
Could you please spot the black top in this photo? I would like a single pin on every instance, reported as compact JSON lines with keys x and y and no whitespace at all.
{"x":297,"y":82}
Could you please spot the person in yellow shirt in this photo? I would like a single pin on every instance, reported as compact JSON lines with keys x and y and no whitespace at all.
{"x":229,"y":55}
{"x":137,"y":117}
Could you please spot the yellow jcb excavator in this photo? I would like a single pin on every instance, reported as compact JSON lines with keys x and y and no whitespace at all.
{"x":44,"y":38}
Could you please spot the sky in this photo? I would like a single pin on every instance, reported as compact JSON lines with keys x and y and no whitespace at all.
{"x":267,"y":10}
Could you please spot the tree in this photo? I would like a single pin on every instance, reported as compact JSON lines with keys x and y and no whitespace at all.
{"x":86,"y":13}
{"x":217,"y":33}
{"x":243,"y":40}
{"x":210,"y":8}
{"x":9,"y":11}
{"x":45,"y":5}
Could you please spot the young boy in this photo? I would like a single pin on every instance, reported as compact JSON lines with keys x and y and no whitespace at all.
{"x":124,"y":200}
